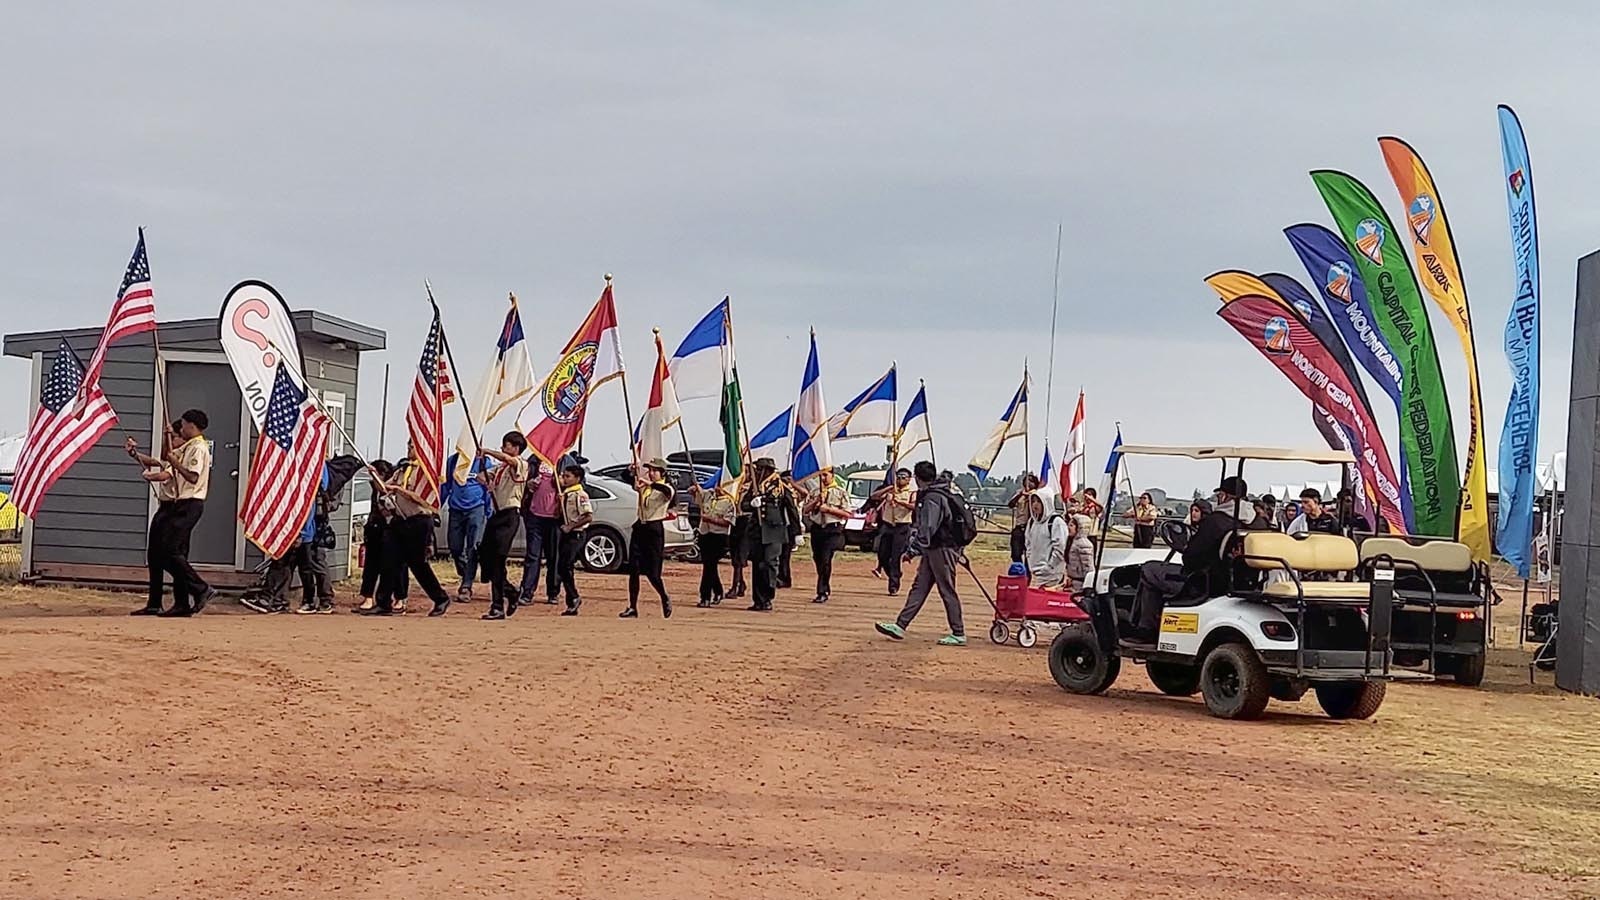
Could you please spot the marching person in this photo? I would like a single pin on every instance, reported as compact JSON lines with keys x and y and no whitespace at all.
{"x":505,"y":483}
{"x":896,"y":504}
{"x":577,"y":511}
{"x":1019,"y":517}
{"x":793,"y":495}
{"x":935,"y":544}
{"x":468,"y":512}
{"x":1144,"y":515}
{"x":412,"y":535}
{"x":717,"y":513}
{"x":159,"y":475}
{"x":377,"y":544}
{"x":739,"y":544}
{"x":647,"y":547}
{"x":772,"y":517}
{"x":186,"y":463}
{"x":826,"y":510}
{"x":541,"y":521}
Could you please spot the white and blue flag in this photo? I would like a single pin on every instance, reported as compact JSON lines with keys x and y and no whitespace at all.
{"x":768,"y":442}
{"x":914,"y":429}
{"x":698,"y":365}
{"x":1013,"y":423}
{"x":1106,"y":487}
{"x":870,"y":414}
{"x":810,"y":452}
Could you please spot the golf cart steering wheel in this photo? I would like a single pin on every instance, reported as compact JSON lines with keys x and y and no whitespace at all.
{"x":1175,"y":535}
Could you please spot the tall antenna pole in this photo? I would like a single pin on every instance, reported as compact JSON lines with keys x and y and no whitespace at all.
{"x":1050,"y":374}
{"x":383,"y":417}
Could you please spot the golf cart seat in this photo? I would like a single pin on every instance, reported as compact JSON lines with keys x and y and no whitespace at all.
{"x":1323,"y":554}
{"x":1441,"y":569}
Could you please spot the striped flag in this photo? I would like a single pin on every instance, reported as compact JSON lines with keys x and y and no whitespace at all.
{"x":287,"y":468}
{"x":61,"y":432}
{"x":1074,"y":453}
{"x":133,"y":313}
{"x":425,"y":414}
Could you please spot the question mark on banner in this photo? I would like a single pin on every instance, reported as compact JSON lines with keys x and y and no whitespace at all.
{"x":245,"y":331}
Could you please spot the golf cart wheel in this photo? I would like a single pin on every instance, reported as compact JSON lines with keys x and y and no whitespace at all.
{"x":1351,"y":699}
{"x":1079,"y":664}
{"x":1173,"y":679}
{"x":999,"y":633}
{"x":1469,"y":669}
{"x":1027,"y":636}
{"x":1234,"y":682}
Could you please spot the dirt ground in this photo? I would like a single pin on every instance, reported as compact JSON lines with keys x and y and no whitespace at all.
{"x":738,"y":755}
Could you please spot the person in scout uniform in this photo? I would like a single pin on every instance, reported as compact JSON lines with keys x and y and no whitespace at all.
{"x":717,"y":512}
{"x":896,"y":504}
{"x":505,"y":483}
{"x":647,"y":548}
{"x":576,"y":513}
{"x":772,"y":516}
{"x":412,"y":531}
{"x":826,"y":511}
{"x":186,"y":465}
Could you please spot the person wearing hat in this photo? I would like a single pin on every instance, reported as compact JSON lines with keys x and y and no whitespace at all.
{"x":717,"y":513}
{"x":1205,"y":572}
{"x":772,"y":516}
{"x":897,"y":502}
{"x":827,"y":510}
{"x":647,"y":548}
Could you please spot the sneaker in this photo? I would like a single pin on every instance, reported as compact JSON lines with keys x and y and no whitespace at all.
{"x":493,"y":615}
{"x":306,"y":609}
{"x":325,"y":607}
{"x":953,"y":640}
{"x":890,"y":630}
{"x":261,"y":603}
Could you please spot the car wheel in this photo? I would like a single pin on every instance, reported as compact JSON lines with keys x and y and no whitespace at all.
{"x":1079,"y":664}
{"x":1469,"y":669}
{"x":602,"y":551}
{"x":1234,"y":682}
{"x":1173,"y":679}
{"x":1351,"y":699}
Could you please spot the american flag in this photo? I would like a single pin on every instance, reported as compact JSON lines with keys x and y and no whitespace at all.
{"x":133,"y":313}
{"x":287,"y":469}
{"x":425,"y":415}
{"x":61,"y":431}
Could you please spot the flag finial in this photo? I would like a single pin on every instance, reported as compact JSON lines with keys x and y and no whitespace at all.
{"x":608,"y":278}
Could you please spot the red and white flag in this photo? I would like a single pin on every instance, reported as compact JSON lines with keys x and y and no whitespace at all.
{"x":133,"y":313}
{"x":425,"y":414}
{"x":287,"y":468}
{"x":1072,"y":457}
{"x":61,"y":432}
{"x":553,"y":418}
{"x":661,"y":414}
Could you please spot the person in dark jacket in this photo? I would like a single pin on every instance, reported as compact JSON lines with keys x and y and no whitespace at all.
{"x":773,"y":520}
{"x":1205,"y":570}
{"x":935,"y":545}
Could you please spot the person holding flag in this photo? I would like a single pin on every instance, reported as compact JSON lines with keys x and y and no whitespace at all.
{"x":505,"y":483}
{"x":647,"y":546}
{"x":186,"y":466}
{"x":896,"y":504}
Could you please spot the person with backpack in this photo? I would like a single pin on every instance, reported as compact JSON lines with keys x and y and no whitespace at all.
{"x":1046,"y":540}
{"x":944,"y":526}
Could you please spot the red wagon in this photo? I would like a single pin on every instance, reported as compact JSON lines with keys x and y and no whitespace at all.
{"x":1015,"y":601}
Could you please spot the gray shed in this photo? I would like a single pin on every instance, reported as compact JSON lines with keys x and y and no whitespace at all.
{"x":93,"y":523}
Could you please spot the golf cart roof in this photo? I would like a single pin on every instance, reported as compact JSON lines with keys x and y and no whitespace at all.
{"x":1277,"y":453}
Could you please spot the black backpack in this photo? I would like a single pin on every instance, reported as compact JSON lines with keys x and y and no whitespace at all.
{"x":959,"y":527}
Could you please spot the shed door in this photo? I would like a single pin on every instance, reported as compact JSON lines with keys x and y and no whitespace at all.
{"x":211,"y":387}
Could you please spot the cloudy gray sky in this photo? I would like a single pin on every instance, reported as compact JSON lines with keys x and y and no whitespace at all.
{"x":890,"y":173}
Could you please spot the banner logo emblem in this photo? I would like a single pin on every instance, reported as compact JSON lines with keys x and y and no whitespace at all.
{"x":1369,"y":240}
{"x":1304,"y":308}
{"x":1339,"y":279}
{"x":1421,"y":215}
{"x":568,"y":384}
{"x":1276,"y":334}
{"x":1517,"y":181}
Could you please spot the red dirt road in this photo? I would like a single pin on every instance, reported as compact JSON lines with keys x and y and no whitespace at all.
{"x":723,"y":754}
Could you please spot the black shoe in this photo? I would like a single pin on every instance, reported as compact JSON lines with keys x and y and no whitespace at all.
{"x":629,"y":613}
{"x":570,"y":611}
{"x":704,"y":604}
{"x":494,"y":614}
{"x":511,"y":608}
{"x":716,"y":601}
{"x":820,"y":598}
{"x":551,"y":601}
{"x":146,"y":611}
{"x":209,"y":595}
{"x":666,"y":608}
{"x":177,"y":612}
{"x":439,"y":608}
{"x":373,"y":611}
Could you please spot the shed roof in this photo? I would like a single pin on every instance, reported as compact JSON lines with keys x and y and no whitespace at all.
{"x":309,"y":322}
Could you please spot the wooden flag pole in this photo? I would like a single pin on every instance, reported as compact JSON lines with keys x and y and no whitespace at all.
{"x":444,"y":344}
{"x":731,"y":369}
{"x":933,"y":456}
{"x":627,"y":406}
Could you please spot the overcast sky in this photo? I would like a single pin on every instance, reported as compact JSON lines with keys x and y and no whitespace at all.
{"x":891,"y":174}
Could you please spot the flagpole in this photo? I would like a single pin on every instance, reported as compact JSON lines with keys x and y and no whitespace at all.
{"x":383,"y":420}
{"x":1083,"y":454}
{"x":1050,"y":377}
{"x":894,"y":419}
{"x":730,"y":364}
{"x":1027,"y":438}
{"x":661,"y":354}
{"x":444,"y":342}
{"x":316,"y":401}
{"x":627,"y":407}
{"x":922,"y":386}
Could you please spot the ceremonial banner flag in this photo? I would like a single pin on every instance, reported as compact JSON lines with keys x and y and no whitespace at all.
{"x":1333,"y":271}
{"x":1436,"y":257}
{"x":660,"y":413}
{"x":699,"y":366}
{"x":914,"y":429}
{"x":508,"y":378}
{"x":63,"y":429}
{"x":257,"y":332}
{"x":811,"y":453}
{"x":425,"y":413}
{"x":1106,"y":487}
{"x":870,"y":414}
{"x":1426,"y":431}
{"x":134,"y":311}
{"x":1339,"y":439}
{"x":286,"y":469}
{"x":1044,"y":469}
{"x":1275,"y":329}
{"x":1296,"y":295}
{"x":553,"y":417}
{"x":1073,"y":455}
{"x":1520,"y":434}
{"x":768,"y":442}
{"x":1013,"y":423}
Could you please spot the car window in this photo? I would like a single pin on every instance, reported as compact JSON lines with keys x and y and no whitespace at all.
{"x":596,"y":492}
{"x":361,"y":491}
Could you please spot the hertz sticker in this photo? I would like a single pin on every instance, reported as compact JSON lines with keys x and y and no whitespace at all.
{"x":1180,"y":623}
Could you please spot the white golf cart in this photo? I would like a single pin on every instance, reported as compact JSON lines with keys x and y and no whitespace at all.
{"x":1296,"y":619}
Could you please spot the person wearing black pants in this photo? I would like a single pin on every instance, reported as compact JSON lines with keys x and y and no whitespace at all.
{"x":739,"y":554}
{"x":413,"y":534}
{"x":896,"y":504}
{"x":506,"y":483}
{"x":577,"y":511}
{"x":647,"y":548}
{"x":772,"y":519}
{"x":183,"y":477}
{"x":826,"y":510}
{"x":716,"y":521}
{"x":796,"y":528}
